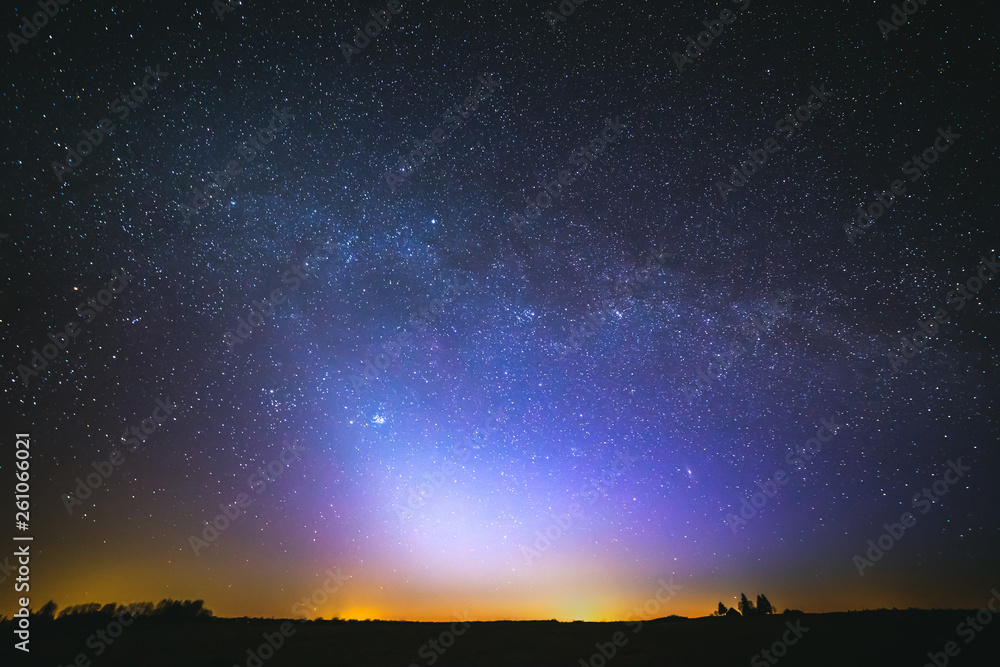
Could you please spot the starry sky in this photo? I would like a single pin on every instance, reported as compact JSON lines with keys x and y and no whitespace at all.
{"x":475,"y":393}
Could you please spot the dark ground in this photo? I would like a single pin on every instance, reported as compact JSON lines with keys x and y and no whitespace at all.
{"x":884,"y":638}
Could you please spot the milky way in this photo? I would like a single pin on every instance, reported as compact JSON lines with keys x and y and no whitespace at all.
{"x":506,"y":310}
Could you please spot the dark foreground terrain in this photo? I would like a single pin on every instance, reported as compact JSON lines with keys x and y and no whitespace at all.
{"x":884,"y":638}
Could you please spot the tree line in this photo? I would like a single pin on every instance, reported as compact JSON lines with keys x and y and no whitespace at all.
{"x":748,"y":608}
{"x":165,"y":610}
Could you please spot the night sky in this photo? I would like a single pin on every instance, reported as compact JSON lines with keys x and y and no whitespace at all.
{"x":534,"y":367}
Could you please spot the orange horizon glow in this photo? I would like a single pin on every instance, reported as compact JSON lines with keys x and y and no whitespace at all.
{"x":369,"y":601}
{"x":561,"y":586}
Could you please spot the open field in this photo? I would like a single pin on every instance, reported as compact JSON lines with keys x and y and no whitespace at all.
{"x":840,"y":639}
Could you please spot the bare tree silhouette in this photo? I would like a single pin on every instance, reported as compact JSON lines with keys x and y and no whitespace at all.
{"x":48,"y":610}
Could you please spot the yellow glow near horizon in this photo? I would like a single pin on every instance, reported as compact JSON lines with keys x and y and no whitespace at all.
{"x":359,"y":614}
{"x":557,"y":587}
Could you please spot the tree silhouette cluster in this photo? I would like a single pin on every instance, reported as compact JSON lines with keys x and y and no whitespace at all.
{"x":747,"y":607}
{"x":166,"y":611}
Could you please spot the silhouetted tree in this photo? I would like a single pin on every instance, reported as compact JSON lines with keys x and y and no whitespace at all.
{"x":81,"y":610}
{"x":164,"y":607}
{"x":196,"y":609}
{"x":142,"y":609}
{"x":174,"y":610}
{"x":746,"y":607}
{"x":126,"y":610}
{"x":48,"y":610}
{"x":722,"y":610}
{"x":764,"y":605}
